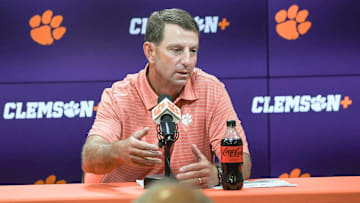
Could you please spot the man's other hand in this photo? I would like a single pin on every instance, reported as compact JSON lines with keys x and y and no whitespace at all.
{"x":202,"y":173}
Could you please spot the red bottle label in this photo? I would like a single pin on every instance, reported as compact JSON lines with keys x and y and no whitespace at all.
{"x":231,"y":154}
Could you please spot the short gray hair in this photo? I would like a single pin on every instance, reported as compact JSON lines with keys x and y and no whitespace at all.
{"x":157,"y":20}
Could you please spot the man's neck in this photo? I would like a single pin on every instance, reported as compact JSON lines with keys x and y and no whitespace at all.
{"x":160,"y":89}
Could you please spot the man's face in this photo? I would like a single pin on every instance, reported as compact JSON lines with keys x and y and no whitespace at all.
{"x":176,"y":55}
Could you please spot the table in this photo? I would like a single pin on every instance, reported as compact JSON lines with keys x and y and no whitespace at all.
{"x":316,"y":189}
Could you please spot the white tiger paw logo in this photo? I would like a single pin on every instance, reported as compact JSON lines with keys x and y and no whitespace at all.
{"x":71,"y":109}
{"x":318,"y":103}
{"x":186,"y":119}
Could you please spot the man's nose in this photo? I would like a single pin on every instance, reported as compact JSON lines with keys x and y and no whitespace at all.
{"x":186,"y":58}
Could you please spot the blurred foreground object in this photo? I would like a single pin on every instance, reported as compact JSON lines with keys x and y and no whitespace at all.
{"x":168,"y":191}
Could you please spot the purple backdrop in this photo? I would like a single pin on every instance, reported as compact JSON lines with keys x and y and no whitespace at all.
{"x":330,"y":47}
{"x":36,"y":146}
{"x":255,"y":125}
{"x":98,"y":44}
{"x":323,"y":143}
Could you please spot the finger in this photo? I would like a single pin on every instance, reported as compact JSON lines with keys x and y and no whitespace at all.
{"x":191,"y":175}
{"x":143,"y":161}
{"x":135,"y":139}
{"x":145,"y":153}
{"x":154,"y":159}
{"x":140,"y":133}
{"x":197,"y":152}
{"x":192,"y":167}
{"x":144,"y":145}
{"x":143,"y":165}
{"x":203,"y":181}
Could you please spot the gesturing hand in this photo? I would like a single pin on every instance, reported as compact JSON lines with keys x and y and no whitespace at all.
{"x":201,"y":173}
{"x":135,"y":152}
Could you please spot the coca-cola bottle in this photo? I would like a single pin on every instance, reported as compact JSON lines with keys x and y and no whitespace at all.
{"x":231,"y":158}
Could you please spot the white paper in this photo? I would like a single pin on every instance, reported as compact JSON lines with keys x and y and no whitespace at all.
{"x":261,"y":183}
{"x":140,"y":182}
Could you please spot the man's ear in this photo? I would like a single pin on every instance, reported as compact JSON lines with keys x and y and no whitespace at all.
{"x":149,"y":51}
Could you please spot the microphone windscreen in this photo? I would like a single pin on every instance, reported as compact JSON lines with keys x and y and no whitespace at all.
{"x":163,"y":96}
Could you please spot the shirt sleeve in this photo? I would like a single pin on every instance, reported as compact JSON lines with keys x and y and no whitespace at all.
{"x":107,"y":123}
{"x":223,"y":112}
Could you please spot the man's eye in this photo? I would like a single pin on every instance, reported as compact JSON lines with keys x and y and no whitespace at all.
{"x":194,"y":50}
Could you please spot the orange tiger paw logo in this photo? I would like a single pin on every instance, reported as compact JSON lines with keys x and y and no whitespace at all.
{"x":46,"y":28}
{"x":292,"y":22}
{"x":295,"y":173}
{"x":51,"y":179}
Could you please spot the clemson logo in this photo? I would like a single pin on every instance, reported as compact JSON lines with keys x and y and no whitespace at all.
{"x":46,"y":28}
{"x":291,"y":23}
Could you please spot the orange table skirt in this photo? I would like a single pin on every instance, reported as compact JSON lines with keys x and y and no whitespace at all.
{"x":324,"y":189}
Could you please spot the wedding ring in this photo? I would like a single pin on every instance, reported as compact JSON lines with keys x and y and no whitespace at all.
{"x":200,"y":181}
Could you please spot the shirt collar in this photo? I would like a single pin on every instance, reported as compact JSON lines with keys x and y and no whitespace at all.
{"x":188,"y":92}
{"x":149,"y":97}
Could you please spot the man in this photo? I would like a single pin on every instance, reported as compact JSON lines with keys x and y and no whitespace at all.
{"x":122,"y":143}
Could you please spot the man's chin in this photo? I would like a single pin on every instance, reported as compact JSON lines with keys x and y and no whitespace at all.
{"x":180,"y":82}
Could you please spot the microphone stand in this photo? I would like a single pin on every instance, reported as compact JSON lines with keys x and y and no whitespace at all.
{"x":169,"y":140}
{"x":166,"y":141}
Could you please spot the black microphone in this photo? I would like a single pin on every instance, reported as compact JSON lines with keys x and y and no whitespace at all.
{"x":167,"y":125}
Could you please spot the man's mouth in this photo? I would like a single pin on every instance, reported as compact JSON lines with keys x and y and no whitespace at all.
{"x":182,"y":72}
{"x":182,"y":75}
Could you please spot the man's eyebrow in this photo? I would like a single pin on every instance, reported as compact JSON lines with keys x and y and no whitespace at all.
{"x":180,"y":45}
{"x":175,"y":45}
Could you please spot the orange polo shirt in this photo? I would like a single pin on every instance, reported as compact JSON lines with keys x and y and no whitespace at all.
{"x":205,"y":107}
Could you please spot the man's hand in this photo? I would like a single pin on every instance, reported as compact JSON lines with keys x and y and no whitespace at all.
{"x":202,"y":173}
{"x":100,"y":157}
{"x":133,"y":151}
